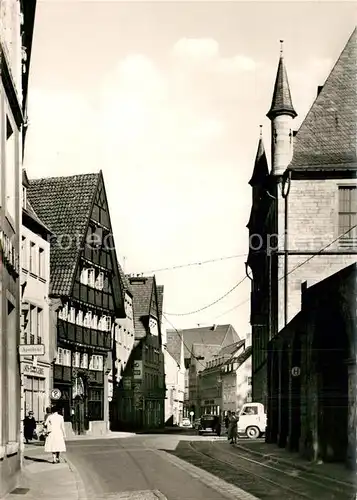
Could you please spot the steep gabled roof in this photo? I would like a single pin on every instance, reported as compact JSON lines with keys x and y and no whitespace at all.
{"x":160,"y":299}
{"x":174,"y":345}
{"x":231,"y":349}
{"x":281,"y":102}
{"x":327,"y":137}
{"x":242,"y":357}
{"x":215,"y":335}
{"x":261,"y":170}
{"x":64,"y":204}
{"x":204,"y":353}
{"x":142,"y":290}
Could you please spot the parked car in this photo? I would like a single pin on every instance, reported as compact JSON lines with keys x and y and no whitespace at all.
{"x":186,"y":422}
{"x":210,"y":424}
{"x":252,"y":420}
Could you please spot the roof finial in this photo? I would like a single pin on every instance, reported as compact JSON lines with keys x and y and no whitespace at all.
{"x":261,"y":130}
{"x":281,"y":47}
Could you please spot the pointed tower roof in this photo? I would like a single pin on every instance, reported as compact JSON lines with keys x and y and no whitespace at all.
{"x":281,"y":103}
{"x":327,"y":136}
{"x":261,"y":170}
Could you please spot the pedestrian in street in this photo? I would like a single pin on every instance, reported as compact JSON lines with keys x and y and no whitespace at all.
{"x":29,"y":427}
{"x":55,"y":440}
{"x":233,"y":428}
{"x":226,"y":421}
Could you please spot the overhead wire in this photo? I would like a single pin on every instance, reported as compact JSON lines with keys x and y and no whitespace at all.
{"x":191,"y":264}
{"x":319,"y":252}
{"x":212,"y":303}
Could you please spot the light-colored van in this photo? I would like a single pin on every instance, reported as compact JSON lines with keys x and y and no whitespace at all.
{"x":252,"y":420}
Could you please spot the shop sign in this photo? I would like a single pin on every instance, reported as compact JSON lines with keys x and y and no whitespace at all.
{"x":32,"y":350}
{"x":138,"y":370}
{"x":33,"y":370}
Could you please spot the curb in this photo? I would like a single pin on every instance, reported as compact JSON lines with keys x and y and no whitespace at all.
{"x":288,"y":463}
{"x":230,"y":491}
{"x":79,"y":483}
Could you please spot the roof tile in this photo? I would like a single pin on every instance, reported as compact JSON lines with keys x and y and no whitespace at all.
{"x":328,"y":135}
{"x":64,"y":205}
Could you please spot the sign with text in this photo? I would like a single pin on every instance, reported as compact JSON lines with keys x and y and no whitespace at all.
{"x":31,"y":350}
{"x":138,"y":370}
{"x":33,"y":370}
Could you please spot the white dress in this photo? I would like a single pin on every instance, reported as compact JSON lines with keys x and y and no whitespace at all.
{"x":55,"y":439}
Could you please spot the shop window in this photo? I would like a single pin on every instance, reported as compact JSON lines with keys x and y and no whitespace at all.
{"x":35,"y":397}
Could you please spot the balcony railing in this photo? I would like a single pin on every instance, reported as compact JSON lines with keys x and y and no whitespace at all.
{"x":83,"y":335}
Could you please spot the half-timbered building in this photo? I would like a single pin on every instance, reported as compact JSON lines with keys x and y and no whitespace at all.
{"x":140,"y":394}
{"x":85,"y":278}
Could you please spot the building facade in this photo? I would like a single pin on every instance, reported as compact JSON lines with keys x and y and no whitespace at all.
{"x":200,"y":344}
{"x":304,"y":209}
{"x":85,"y":278}
{"x":175,"y":380}
{"x":36,"y":329}
{"x":16,"y":28}
{"x":313,"y":366}
{"x":123,"y":344}
{"x":225,"y":383}
{"x":141,"y":391}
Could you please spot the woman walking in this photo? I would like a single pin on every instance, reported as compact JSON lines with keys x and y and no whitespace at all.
{"x":56,"y":435}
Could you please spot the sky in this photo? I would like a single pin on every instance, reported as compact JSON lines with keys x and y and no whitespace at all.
{"x":166,"y":98}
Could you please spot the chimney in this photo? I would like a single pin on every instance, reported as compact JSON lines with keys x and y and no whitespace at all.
{"x":319,"y":88}
{"x":295,"y":133}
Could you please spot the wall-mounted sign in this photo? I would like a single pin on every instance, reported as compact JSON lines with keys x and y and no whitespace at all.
{"x":33,"y":370}
{"x":31,"y":350}
{"x":138,"y":370}
{"x":295,"y":371}
{"x":56,"y":394}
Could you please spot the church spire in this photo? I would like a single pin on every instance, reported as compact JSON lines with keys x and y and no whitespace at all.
{"x":281,"y":102}
{"x":261,"y":170}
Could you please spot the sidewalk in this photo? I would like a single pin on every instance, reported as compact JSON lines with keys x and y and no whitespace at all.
{"x":272,"y":453}
{"x":42,"y":480}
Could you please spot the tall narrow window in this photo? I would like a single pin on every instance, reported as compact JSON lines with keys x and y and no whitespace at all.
{"x":39,"y":326}
{"x":99,"y":282}
{"x":24,"y":255}
{"x":91,"y":277}
{"x":32,"y":257}
{"x":95,"y":322}
{"x":72,"y":315}
{"x":347,"y":215}
{"x":79,"y":319}
{"x":84,"y":277}
{"x":41,"y":263}
{"x":33,"y":325}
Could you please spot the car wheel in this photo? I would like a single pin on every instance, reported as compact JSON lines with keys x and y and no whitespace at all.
{"x":252,"y":432}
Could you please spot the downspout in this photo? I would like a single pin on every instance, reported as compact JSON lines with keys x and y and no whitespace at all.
{"x":285,"y":189}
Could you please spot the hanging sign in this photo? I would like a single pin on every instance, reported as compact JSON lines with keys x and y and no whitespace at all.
{"x":295,"y":371}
